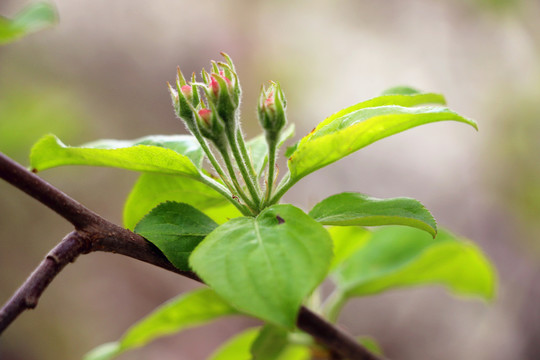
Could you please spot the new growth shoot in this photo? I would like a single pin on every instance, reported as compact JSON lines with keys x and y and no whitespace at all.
{"x":210,"y":111}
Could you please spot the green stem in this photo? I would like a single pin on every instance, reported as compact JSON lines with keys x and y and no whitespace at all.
{"x":249,"y":181}
{"x":215,"y":164}
{"x":226,"y":193}
{"x":222,"y":147}
{"x":245,"y":154}
{"x":285,"y":184}
{"x":271,"y":169}
{"x":334,"y":304}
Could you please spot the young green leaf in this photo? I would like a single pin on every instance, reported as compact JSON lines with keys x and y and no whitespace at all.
{"x":176,"y":229}
{"x":346,"y":240}
{"x":250,"y":262}
{"x":186,"y":311}
{"x":270,"y":343}
{"x":358,"y":209}
{"x":398,"y":96}
{"x":152,"y":189}
{"x":34,"y":17}
{"x":400,"y":256}
{"x":371,"y":344}
{"x":238,"y":347}
{"x":355,"y":130}
{"x":159,"y":154}
{"x":407,"y":90}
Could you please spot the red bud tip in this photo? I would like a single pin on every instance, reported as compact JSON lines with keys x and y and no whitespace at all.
{"x":186,"y":90}
{"x":205,"y":115}
{"x":214,"y":85}
{"x":269,"y":100}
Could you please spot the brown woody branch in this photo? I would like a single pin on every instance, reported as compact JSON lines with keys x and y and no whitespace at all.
{"x":93,"y":233}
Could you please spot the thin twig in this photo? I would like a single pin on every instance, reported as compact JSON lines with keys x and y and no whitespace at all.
{"x":28,"y":294}
{"x":93,"y":233}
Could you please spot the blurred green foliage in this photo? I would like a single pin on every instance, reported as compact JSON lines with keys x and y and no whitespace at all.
{"x":28,"y":112}
{"x":33,"y":18}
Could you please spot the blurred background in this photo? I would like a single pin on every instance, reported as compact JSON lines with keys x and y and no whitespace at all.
{"x":101,"y":73}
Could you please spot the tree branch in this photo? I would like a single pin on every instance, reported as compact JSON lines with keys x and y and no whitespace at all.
{"x":93,"y":233}
{"x":28,"y":294}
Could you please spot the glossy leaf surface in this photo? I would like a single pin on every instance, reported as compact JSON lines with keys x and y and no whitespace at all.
{"x":344,"y":135}
{"x":176,"y":229}
{"x":401,"y":256}
{"x":152,"y":189}
{"x":347,"y":240}
{"x":358,"y":209}
{"x":395,"y":96}
{"x":159,"y":154}
{"x":186,"y":311}
{"x":33,"y":18}
{"x":250,"y":262}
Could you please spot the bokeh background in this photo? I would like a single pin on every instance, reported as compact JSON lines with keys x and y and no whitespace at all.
{"x":101,"y":73}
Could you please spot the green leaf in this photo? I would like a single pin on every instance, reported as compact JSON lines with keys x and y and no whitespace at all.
{"x":250,"y":262}
{"x":406,"y":97}
{"x":346,"y":239}
{"x":338,"y":137}
{"x":186,"y":311}
{"x":296,"y":352}
{"x":400,"y":256}
{"x":176,"y":229}
{"x":371,"y":344}
{"x":358,"y":209}
{"x":151,"y":190}
{"x":270,"y":343}
{"x":34,"y":17}
{"x":105,"y":351}
{"x":145,"y":154}
{"x":259,"y":150}
{"x":238,"y":347}
{"x":406,"y":90}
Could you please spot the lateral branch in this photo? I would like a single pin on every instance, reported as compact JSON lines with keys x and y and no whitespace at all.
{"x":94,"y":233}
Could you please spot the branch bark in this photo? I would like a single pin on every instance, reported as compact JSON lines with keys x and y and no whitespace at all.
{"x":94,"y":233}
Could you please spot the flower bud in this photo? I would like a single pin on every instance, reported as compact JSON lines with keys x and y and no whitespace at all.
{"x":271,"y":110}
{"x":210,"y":124}
{"x":184,"y":98}
{"x":219,"y":103}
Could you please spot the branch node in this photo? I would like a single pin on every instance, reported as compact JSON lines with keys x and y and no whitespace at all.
{"x":31,"y":301}
{"x":53,"y":258}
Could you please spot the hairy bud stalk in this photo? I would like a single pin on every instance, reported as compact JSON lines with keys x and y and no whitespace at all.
{"x":271,"y":113}
{"x":214,"y":116}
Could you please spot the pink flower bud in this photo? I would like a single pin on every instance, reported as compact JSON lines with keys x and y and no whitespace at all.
{"x":270,"y":100}
{"x":214,"y":85}
{"x":187,"y":91}
{"x":206,"y":115}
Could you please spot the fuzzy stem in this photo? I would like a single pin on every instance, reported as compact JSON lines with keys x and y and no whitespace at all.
{"x":285,"y":184}
{"x":223,"y":191}
{"x":215,"y":164}
{"x":222,"y":147}
{"x":245,"y":154}
{"x":272,"y":145}
{"x":249,"y":181}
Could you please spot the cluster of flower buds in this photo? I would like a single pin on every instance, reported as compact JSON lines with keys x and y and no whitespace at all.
{"x":271,"y":110}
{"x":216,"y":109}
